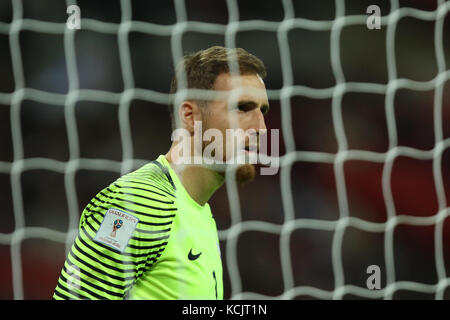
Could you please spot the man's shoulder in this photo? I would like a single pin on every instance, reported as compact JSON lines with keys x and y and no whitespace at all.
{"x":152,"y":178}
{"x":145,"y":193}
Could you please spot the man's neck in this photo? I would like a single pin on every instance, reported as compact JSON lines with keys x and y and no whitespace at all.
{"x":200,"y":182}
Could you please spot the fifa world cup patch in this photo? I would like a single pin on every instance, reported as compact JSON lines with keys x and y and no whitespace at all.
{"x":116,"y":229}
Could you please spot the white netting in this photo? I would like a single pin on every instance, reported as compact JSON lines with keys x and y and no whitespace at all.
{"x":238,"y":226}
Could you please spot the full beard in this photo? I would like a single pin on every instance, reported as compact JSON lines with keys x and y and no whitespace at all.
{"x":245,"y":173}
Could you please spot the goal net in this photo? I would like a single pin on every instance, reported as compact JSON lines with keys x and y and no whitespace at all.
{"x":359,"y":206}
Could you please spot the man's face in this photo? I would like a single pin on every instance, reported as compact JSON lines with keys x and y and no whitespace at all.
{"x":243,"y":108}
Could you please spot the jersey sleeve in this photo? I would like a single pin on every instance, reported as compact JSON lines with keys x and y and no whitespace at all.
{"x":122,"y":233}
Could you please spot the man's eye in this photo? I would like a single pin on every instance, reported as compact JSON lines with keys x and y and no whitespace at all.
{"x":243,"y":107}
{"x":264,"y":110}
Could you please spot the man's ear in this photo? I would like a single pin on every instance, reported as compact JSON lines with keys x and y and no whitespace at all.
{"x":189,"y":112}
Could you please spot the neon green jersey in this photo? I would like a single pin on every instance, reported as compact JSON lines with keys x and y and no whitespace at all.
{"x":144,"y":237}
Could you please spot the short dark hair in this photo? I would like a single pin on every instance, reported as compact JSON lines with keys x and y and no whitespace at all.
{"x":202,"y":68}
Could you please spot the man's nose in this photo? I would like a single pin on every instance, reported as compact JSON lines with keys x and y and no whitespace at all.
{"x":260,"y":123}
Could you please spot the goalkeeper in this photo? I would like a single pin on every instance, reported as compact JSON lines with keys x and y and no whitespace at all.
{"x":151,"y":234}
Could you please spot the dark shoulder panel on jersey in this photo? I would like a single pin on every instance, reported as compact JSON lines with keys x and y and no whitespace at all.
{"x":123,"y":231}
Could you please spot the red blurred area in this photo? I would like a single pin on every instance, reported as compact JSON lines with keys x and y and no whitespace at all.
{"x":41,"y":263}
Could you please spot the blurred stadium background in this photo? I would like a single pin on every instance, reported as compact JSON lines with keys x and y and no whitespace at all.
{"x":316,"y":260}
